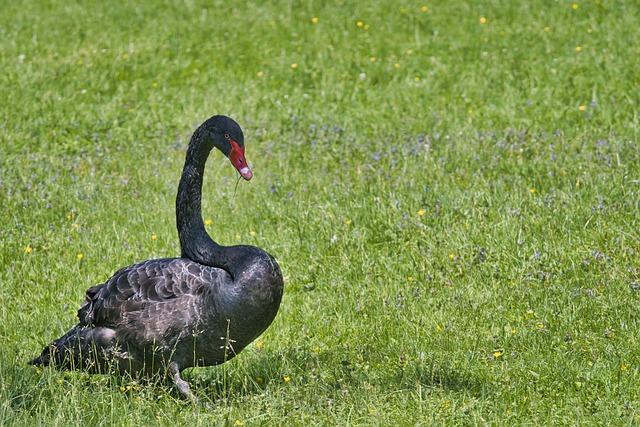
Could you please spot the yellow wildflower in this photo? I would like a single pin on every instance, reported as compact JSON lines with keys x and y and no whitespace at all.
{"x":252,"y":233}
{"x":483,"y":20}
{"x":424,"y":9}
{"x":359,"y":23}
{"x":80,"y":256}
{"x":28,"y":249}
{"x":294,"y":65}
{"x":314,"y":20}
{"x":421,"y":212}
{"x":154,"y":237}
{"x":239,"y":423}
{"x":207,"y":222}
{"x":287,"y":379}
{"x":582,"y":108}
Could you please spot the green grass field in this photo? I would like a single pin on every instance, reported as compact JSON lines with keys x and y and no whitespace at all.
{"x":451,"y":190}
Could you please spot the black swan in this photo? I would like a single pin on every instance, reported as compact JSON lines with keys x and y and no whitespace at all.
{"x":164,"y":315}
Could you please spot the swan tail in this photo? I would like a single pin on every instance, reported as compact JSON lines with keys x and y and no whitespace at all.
{"x":82,"y":348}
{"x":62,"y":353}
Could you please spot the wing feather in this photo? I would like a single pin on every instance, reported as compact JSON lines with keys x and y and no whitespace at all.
{"x":148,"y":301}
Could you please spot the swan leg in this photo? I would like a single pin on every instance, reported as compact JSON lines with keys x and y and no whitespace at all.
{"x":181,"y":385}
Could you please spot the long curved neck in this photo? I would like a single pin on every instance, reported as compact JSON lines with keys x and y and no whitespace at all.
{"x":195,"y":243}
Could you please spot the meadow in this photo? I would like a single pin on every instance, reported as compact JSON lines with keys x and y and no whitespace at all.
{"x":450,"y":187}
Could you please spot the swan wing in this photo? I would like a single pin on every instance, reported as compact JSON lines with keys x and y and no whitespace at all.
{"x":151,"y":300}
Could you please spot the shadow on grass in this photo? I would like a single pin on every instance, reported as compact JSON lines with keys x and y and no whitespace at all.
{"x":328,"y":373}
{"x":441,"y":376}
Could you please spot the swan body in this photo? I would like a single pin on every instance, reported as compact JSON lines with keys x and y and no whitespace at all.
{"x":165,"y":315}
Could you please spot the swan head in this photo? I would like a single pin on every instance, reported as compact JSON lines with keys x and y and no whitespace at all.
{"x":227,"y":137}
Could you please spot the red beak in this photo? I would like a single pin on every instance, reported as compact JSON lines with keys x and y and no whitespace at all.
{"x":236,"y":155}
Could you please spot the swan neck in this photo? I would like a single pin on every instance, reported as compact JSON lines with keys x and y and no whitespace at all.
{"x":195,"y":242}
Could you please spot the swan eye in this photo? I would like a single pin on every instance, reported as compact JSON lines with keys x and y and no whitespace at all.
{"x":226,"y":135}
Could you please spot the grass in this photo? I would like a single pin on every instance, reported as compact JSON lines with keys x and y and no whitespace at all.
{"x":451,"y":190}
